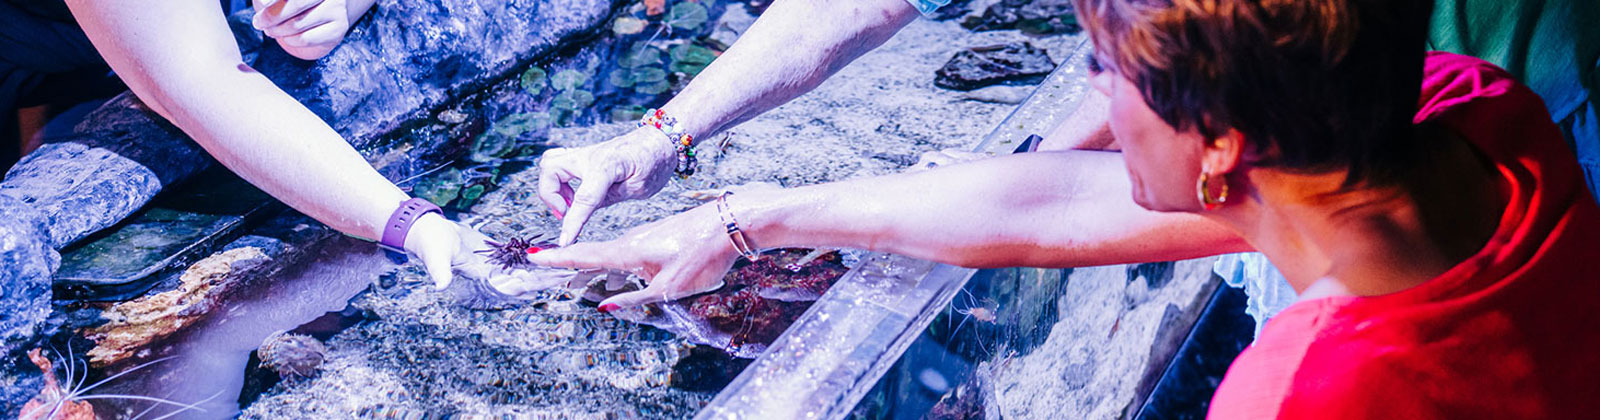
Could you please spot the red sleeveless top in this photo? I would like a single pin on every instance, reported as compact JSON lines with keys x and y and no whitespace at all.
{"x":1513,"y":332}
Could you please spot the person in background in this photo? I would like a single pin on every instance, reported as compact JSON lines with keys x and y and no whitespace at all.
{"x":1550,"y":45}
{"x":1423,"y":205}
{"x":180,"y":59}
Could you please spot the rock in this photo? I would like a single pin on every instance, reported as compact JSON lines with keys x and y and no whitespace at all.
{"x":956,"y":8}
{"x":410,"y":58}
{"x":1011,"y":63}
{"x":1037,"y":17}
{"x":292,"y":354}
{"x":131,"y":325}
{"x":25,"y":265}
{"x":757,"y":7}
{"x":734,"y":21}
{"x":20,"y":382}
{"x":706,"y":369}
{"x":1008,"y":95}
{"x":1095,"y":358}
{"x":26,"y":262}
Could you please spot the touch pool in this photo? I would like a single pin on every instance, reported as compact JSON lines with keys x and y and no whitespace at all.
{"x":234,"y":296}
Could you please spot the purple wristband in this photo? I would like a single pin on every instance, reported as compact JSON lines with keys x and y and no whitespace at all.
{"x":394,"y":232}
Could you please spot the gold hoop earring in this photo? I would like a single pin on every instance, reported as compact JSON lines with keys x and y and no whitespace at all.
{"x":1203,"y":189}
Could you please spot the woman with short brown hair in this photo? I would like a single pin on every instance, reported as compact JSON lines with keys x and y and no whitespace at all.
{"x":1443,"y":252}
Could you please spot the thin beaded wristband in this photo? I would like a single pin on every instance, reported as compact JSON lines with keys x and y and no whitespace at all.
{"x":740,"y":244}
{"x":682,"y":143}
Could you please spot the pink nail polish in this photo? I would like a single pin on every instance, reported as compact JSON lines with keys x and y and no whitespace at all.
{"x":607,"y":308}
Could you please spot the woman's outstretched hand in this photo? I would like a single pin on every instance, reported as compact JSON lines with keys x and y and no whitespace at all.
{"x":631,"y":166}
{"x":679,"y":256}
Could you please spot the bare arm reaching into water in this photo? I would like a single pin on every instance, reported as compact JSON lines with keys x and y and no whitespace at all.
{"x":1073,"y":210}
{"x":179,"y":57}
{"x":792,"y":48}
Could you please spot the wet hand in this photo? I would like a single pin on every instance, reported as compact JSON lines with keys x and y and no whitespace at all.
{"x":308,"y":29}
{"x":632,"y":166}
{"x":679,"y":256}
{"x":446,"y":250}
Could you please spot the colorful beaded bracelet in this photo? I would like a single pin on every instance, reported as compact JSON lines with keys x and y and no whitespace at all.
{"x":682,"y":142}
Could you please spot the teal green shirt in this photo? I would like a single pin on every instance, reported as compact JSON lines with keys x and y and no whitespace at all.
{"x":1553,"y":46}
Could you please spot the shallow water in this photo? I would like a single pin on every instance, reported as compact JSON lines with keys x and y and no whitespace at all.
{"x":419,"y":355}
{"x":209,"y":359}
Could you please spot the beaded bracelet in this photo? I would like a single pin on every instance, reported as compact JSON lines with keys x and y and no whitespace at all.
{"x":682,"y":142}
{"x":740,"y":244}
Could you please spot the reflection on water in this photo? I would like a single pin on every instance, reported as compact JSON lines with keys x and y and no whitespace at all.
{"x":160,"y":230}
{"x":208,"y":360}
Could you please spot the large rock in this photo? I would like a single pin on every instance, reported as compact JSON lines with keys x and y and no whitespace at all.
{"x":133,"y":324}
{"x":403,"y":63}
{"x":25,"y":295}
{"x":1028,"y":16}
{"x":1010,"y":63}
{"x":25,"y":277}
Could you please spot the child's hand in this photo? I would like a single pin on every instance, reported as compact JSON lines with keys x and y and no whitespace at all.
{"x":308,"y":29}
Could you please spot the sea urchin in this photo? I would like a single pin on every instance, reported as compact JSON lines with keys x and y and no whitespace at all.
{"x":514,"y":253}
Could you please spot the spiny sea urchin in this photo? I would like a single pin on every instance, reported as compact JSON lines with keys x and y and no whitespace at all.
{"x":514,"y":253}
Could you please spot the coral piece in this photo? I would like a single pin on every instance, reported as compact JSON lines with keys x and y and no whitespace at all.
{"x":762,"y":298}
{"x":65,"y":398}
{"x":54,"y":395}
{"x":796,"y":275}
{"x":133,"y":324}
{"x":292,"y":354}
{"x":757,"y":302}
{"x":747,"y":316}
{"x":655,"y":7}
{"x":965,"y":402}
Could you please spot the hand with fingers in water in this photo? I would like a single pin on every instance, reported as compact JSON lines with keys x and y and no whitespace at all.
{"x":679,"y":256}
{"x":632,"y":166}
{"x":449,"y":249}
{"x":308,"y":29}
